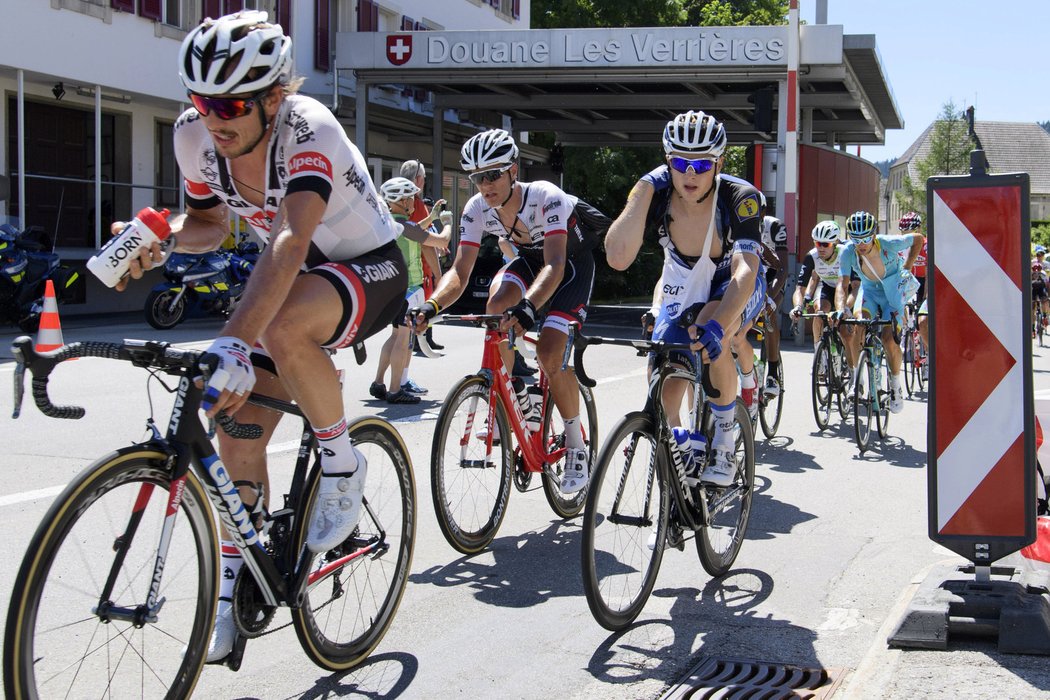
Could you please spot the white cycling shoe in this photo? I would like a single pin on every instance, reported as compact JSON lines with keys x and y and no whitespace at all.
{"x":721,"y":471}
{"x":577,"y":471}
{"x":896,"y":399}
{"x":223,"y":635}
{"x":337,"y":508}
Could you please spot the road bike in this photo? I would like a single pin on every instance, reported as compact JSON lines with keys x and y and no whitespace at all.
{"x":641,"y":499}
{"x":1038,"y":321}
{"x":914,"y":357}
{"x":473,"y":465}
{"x":770,"y":408}
{"x":871,"y":386}
{"x":831,"y":374}
{"x":117,"y":593}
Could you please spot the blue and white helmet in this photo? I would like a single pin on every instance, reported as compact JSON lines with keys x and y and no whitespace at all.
{"x":861,"y":225}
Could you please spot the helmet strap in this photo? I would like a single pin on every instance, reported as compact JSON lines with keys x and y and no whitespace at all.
{"x":714,"y":184}
{"x":513,"y":182}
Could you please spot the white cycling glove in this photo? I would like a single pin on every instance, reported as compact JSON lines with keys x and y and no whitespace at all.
{"x":234,"y":372}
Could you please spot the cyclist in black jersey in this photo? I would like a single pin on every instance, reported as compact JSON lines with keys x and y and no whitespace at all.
{"x":331,"y":276}
{"x":709,"y":226}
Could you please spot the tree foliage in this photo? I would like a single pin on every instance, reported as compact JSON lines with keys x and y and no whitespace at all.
{"x":949,"y":154}
{"x":603,"y":176}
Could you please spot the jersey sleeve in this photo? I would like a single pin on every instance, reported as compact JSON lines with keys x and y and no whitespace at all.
{"x":556,"y":209}
{"x":744,"y":219}
{"x":189,"y":133}
{"x":779,"y":233}
{"x":847,"y":260}
{"x":310,"y":156}
{"x":471,"y":226}
{"x":896,"y":244}
{"x":806,"y":270}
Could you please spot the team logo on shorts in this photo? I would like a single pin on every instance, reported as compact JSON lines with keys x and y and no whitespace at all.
{"x":747,"y":208}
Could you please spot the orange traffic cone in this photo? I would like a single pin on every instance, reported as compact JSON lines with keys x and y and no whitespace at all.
{"x":50,"y":335}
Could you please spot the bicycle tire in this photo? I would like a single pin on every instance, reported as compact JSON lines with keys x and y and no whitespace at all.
{"x":571,"y":505}
{"x":843,"y":384}
{"x":882,"y":415}
{"x":771,"y":409}
{"x":922,"y":365}
{"x":1040,"y":328}
{"x":619,"y":567}
{"x":822,"y":388}
{"x":346,"y":612}
{"x":470,"y":494}
{"x":718,"y":543}
{"x":908,"y":365}
{"x":863,"y":385}
{"x":62,"y":577}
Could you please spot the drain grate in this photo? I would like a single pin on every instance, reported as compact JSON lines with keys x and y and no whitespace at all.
{"x":733,"y":678}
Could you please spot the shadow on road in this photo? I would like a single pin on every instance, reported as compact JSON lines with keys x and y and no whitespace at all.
{"x":386,"y":675}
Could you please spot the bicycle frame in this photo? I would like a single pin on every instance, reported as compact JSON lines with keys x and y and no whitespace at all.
{"x":533,"y":451}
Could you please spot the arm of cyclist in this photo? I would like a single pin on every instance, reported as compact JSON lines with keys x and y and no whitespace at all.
{"x":917,"y":240}
{"x":267,"y":290}
{"x":778,"y":263}
{"x":196,"y":231}
{"x":522,"y":316}
{"x":449,"y":287}
{"x":743,"y":271}
{"x":623,"y":240}
{"x":802,"y":298}
{"x":842,"y":310}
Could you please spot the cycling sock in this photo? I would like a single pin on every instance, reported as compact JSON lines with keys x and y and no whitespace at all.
{"x":573,"y":434}
{"x":725,"y":420}
{"x":747,"y":380}
{"x":231,"y":561}
{"x":337,"y":452}
{"x":772,"y":366}
{"x":404,"y":377}
{"x":895,"y":381}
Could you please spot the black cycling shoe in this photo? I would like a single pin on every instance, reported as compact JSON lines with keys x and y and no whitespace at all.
{"x":377,"y":390}
{"x":402,"y":397}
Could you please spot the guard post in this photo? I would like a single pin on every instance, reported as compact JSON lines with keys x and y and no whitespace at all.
{"x":981,"y":427}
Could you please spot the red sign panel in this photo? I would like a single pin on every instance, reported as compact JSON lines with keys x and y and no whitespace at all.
{"x":981,"y":431}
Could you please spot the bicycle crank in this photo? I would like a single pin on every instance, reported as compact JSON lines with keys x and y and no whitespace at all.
{"x":251,"y":614}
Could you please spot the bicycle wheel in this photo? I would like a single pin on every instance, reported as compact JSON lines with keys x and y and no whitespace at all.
{"x":1040,"y":326}
{"x":719,"y":542}
{"x":57,"y":642}
{"x":843,"y":383}
{"x":771,"y":408}
{"x":908,"y":365}
{"x":921,"y":366}
{"x":469,"y":478}
{"x":863,"y":398}
{"x":571,"y":505}
{"x":625,"y":522}
{"x":348,"y":608}
{"x":882,"y":415}
{"x":822,"y":385}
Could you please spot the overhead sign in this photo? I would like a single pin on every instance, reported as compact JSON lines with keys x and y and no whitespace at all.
{"x":573,"y":48}
{"x":981,"y":444}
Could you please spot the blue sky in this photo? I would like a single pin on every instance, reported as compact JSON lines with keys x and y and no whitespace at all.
{"x":994,"y":55}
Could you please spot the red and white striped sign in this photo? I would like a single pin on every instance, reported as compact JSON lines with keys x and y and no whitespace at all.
{"x":981,"y":443}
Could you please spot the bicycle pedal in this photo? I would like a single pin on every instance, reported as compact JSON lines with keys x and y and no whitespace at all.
{"x":233,"y":660}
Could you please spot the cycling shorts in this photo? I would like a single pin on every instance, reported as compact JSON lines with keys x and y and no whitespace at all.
{"x":414,"y":298}
{"x":825,"y":292}
{"x":1039,"y":291}
{"x":570,"y":299}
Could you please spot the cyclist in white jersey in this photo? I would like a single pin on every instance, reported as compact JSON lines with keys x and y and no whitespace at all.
{"x":282,"y":161}
{"x":554,"y":267}
{"x":817,"y":278}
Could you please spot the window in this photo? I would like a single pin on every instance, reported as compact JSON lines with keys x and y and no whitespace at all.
{"x":367,"y":16}
{"x":167,"y":179}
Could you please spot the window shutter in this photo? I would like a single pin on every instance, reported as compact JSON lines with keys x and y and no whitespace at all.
{"x":211,"y":8}
{"x":322,"y":37}
{"x":516,"y":9}
{"x":123,"y":5}
{"x":367,"y":16}
{"x":150,"y":9}
{"x":234,"y":6}
{"x":284,"y":15}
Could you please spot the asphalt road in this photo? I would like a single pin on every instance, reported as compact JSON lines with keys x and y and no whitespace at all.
{"x":836,"y":544}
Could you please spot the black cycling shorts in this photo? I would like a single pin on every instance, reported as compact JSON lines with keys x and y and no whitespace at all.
{"x":570,"y":299}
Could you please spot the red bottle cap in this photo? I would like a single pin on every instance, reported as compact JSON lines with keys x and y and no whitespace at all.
{"x":156,"y":221}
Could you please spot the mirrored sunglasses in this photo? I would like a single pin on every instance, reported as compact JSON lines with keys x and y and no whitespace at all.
{"x":824,"y":244}
{"x":699,"y":165}
{"x":225,"y":108}
{"x":863,"y":239}
{"x":488,"y":175}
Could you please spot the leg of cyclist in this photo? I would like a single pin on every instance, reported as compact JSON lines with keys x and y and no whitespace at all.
{"x":745,"y":360}
{"x":772,"y":341}
{"x":924,"y":335}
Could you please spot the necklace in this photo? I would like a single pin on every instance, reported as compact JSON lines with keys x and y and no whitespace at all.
{"x":245,"y":184}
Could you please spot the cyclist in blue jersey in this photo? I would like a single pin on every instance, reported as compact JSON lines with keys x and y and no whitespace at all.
{"x":710,"y":227}
{"x":883,"y":264}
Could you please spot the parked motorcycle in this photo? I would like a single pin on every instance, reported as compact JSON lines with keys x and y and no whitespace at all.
{"x":200,"y":284}
{"x":27,"y":262}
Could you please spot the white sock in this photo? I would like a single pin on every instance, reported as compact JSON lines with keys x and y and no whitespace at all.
{"x":404,"y":377}
{"x":725,"y":420}
{"x":337,"y":452}
{"x":573,"y":433}
{"x":895,"y":380}
{"x":747,"y":381}
{"x":230,"y":563}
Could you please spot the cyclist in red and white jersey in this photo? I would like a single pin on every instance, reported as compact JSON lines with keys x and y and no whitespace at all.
{"x":331,"y":276}
{"x":554,"y":266}
{"x":1040,"y":284}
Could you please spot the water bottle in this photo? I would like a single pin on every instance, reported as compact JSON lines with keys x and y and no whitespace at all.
{"x":533,"y":418}
{"x":110,"y":264}
{"x":685,"y":449}
{"x":698,"y":442}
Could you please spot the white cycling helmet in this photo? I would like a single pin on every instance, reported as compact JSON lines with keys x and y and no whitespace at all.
{"x":826,"y":232}
{"x":235,"y":54}
{"x":492,"y":148}
{"x":397,"y":188}
{"x":695,"y":133}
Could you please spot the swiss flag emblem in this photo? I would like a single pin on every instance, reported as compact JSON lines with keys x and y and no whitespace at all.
{"x":399,"y":48}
